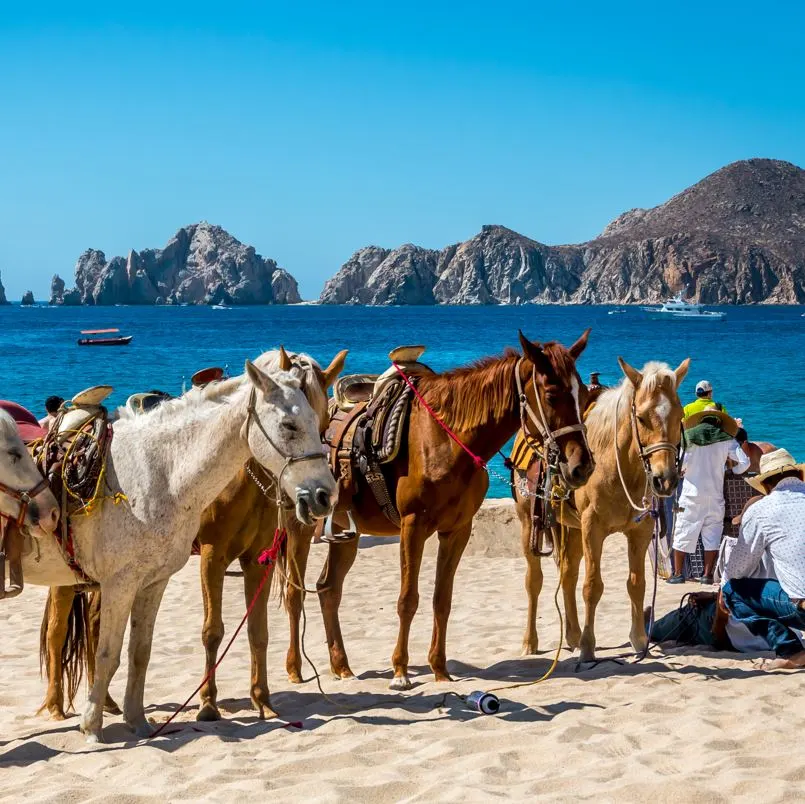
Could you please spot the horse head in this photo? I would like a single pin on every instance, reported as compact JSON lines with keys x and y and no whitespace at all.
{"x":25,"y":497}
{"x":283,"y":433}
{"x":555,"y":398}
{"x":657,"y":414}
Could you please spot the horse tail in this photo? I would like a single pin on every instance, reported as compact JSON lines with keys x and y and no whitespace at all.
{"x":75,"y":650}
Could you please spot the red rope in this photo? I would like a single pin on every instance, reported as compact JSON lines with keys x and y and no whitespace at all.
{"x":476,"y":459}
{"x":268,"y":558}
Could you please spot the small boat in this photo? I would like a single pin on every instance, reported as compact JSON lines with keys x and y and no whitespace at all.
{"x":679,"y":308}
{"x":220,"y":307}
{"x":616,"y":312}
{"x":121,"y":340}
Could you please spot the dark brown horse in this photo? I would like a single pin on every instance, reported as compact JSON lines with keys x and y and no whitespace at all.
{"x":437,"y":487}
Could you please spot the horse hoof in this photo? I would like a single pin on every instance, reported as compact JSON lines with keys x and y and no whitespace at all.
{"x":144,"y":730}
{"x":94,"y":739}
{"x":208,"y":713}
{"x":294,"y":677}
{"x":344,"y":673}
{"x":442,"y":676}
{"x":57,"y":714}
{"x":265,"y":712}
{"x":529,"y":649}
{"x":400,"y":683}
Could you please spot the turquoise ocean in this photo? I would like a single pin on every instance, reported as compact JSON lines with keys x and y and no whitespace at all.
{"x":755,"y":358}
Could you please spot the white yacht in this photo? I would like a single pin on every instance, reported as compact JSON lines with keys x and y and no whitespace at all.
{"x":679,"y":308}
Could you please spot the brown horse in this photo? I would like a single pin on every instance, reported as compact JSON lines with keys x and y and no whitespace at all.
{"x":634,"y":431}
{"x":238,"y":525}
{"x":437,"y":487}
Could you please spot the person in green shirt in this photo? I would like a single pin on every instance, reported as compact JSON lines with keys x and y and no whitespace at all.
{"x":704,"y":399}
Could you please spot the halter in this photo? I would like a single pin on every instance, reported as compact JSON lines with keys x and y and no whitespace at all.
{"x":645,"y":453}
{"x":289,"y":459}
{"x":549,"y":437}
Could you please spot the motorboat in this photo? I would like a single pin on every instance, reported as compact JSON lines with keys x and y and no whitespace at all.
{"x":115,"y":340}
{"x":679,"y":308}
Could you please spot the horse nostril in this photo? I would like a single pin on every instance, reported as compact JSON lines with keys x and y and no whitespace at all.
{"x":323,"y":498}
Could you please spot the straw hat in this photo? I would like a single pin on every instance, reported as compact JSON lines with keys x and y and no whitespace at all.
{"x":207,"y":375}
{"x":91,"y":397}
{"x":728,"y":424}
{"x":774,"y":463}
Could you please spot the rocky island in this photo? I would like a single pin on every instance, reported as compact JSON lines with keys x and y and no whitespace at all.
{"x":3,"y":299}
{"x":736,"y":237}
{"x":201,"y":264}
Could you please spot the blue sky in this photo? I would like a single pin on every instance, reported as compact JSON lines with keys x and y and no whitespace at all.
{"x":310,"y":130}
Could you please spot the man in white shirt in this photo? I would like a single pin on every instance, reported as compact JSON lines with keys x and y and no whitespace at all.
{"x":772,"y":531}
{"x":709,"y":441}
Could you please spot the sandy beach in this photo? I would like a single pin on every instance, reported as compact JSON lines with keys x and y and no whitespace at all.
{"x":684,"y":725}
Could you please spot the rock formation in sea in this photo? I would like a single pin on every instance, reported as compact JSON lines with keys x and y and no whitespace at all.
{"x":3,"y":299}
{"x":28,"y":299}
{"x":738,"y":236}
{"x":201,"y":264}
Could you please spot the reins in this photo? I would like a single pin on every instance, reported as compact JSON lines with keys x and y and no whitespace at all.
{"x":24,"y":498}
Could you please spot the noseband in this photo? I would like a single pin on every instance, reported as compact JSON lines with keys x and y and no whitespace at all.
{"x":289,"y":459}
{"x":25,"y":498}
{"x":549,"y":437}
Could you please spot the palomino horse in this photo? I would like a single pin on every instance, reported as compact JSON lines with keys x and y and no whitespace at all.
{"x":438,"y":487}
{"x":634,"y":432}
{"x":238,"y":525}
{"x":171,"y":464}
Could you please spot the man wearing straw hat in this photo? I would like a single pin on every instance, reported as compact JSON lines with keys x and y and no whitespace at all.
{"x":709,"y":438}
{"x":772,"y":530}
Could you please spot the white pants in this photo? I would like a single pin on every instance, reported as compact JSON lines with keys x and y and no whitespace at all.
{"x":700,"y":515}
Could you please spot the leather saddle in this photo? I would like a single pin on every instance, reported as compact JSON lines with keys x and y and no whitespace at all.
{"x":368,"y":418}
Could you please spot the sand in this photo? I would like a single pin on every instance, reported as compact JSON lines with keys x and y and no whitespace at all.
{"x":684,"y":725}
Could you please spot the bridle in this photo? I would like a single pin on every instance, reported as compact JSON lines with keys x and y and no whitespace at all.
{"x":24,"y":498}
{"x":549,"y":436}
{"x":251,"y":415}
{"x":644,"y":452}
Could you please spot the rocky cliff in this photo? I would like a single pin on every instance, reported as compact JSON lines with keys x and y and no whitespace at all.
{"x":738,"y":236}
{"x":3,"y":299}
{"x":201,"y":264}
{"x":28,"y":299}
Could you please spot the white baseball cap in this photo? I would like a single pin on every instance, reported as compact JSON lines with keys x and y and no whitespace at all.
{"x":703,"y":387}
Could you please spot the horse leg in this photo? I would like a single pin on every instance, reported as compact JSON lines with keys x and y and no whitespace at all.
{"x":593,"y":589}
{"x":213,"y":570}
{"x":117,"y":597}
{"x":143,"y":616}
{"x":638,"y":541}
{"x":533,"y":579}
{"x":253,"y":574}
{"x":412,"y":544}
{"x":94,"y":617}
{"x":451,"y":548}
{"x":53,"y":636}
{"x":340,"y":558}
{"x":570,"y":579}
{"x":295,"y":567}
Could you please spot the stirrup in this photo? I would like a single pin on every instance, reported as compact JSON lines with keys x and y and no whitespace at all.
{"x":339,"y":538}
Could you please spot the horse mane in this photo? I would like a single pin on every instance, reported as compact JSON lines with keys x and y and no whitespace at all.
{"x":216,"y":392}
{"x":615,"y":401}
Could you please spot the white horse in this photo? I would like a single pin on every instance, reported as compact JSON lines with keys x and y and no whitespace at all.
{"x":170,"y":464}
{"x":25,"y":501}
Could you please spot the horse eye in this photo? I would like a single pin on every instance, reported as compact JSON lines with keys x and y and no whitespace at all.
{"x":15,"y":454}
{"x":642,"y":420}
{"x":290,"y":427}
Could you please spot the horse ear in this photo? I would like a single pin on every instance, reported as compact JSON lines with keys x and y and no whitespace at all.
{"x":580,"y":345}
{"x":335,"y":368}
{"x":681,"y":370}
{"x":259,"y":379}
{"x":285,"y":361}
{"x":533,"y":351}
{"x":635,"y":377}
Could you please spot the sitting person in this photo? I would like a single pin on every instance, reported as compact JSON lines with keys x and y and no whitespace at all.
{"x":709,"y":438}
{"x":704,"y":399}
{"x":771,"y":542}
{"x":52,"y":405}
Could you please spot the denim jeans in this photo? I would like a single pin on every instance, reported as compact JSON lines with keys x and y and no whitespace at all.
{"x":767,"y":611}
